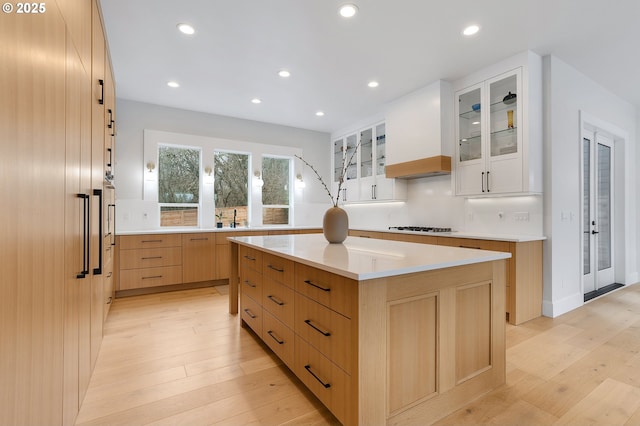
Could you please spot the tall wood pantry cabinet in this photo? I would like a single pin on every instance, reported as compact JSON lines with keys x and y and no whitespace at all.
{"x":52,"y":165}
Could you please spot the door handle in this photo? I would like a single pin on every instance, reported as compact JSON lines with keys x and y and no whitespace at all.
{"x":98,"y":193}
{"x":594,"y":232}
{"x":482,"y":181}
{"x":488,"y":190}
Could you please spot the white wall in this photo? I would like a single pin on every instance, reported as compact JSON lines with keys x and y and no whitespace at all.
{"x":133,"y":117}
{"x":567,"y":93}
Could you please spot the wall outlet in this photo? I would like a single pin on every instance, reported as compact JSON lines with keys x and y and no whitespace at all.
{"x":521,"y":216}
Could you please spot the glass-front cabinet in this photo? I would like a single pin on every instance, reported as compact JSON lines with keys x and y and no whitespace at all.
{"x":365,"y":178}
{"x":489,"y":140}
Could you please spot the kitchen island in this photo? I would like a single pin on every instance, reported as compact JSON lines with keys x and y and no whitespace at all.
{"x":382,"y":332}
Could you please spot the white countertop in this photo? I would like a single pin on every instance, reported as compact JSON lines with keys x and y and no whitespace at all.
{"x":474,"y":235}
{"x":366,"y":258}
{"x":194,"y":230}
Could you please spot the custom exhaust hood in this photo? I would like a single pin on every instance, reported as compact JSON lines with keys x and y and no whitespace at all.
{"x":419,"y":133}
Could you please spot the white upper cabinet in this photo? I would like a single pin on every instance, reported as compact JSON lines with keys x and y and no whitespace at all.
{"x":498,"y":132}
{"x":365,"y":175}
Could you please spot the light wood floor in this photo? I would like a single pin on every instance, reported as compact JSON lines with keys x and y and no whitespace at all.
{"x":180,"y":358}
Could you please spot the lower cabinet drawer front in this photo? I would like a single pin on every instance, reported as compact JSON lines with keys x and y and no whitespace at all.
{"x":329,"y":383}
{"x":150,"y":277}
{"x":249,"y":258}
{"x":326,"y":330}
{"x":150,"y":241}
{"x":278,"y":299}
{"x":337,"y":292}
{"x":278,"y":337}
{"x":150,"y":258}
{"x":278,"y":269}
{"x":251,"y":312}
{"x":251,"y":283}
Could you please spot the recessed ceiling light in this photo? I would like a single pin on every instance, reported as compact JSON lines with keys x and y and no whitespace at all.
{"x":348,"y":10}
{"x":471,"y":30}
{"x":320,"y":113}
{"x":284,"y":73}
{"x":173,"y":84}
{"x":256,"y":101}
{"x":186,"y":29}
{"x":475,"y":122}
{"x":373,"y":84}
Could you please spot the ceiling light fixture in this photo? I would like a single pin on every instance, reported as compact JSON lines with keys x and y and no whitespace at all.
{"x":284,"y":73}
{"x":373,"y":84}
{"x":256,"y":101}
{"x":348,"y":10}
{"x":471,"y":30}
{"x":320,"y":114}
{"x":186,"y":29}
{"x":173,"y":84}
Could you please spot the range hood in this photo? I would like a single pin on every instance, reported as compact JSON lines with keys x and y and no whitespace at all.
{"x":424,"y":167}
{"x":420,"y":133}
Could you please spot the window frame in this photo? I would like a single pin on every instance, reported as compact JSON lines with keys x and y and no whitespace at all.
{"x":290,"y":190}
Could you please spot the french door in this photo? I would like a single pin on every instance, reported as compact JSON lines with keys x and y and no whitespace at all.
{"x":597,"y":211}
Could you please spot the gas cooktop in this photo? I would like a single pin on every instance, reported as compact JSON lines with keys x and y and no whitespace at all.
{"x":421,"y":228}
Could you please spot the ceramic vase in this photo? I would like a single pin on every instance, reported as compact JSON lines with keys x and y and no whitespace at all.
{"x":335,"y":225}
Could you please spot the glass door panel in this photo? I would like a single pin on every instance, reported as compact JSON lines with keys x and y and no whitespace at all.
{"x":338,"y":159}
{"x":603,"y":206}
{"x":350,"y":157}
{"x":469,"y":122}
{"x":366,"y":153}
{"x":381,"y":139}
{"x":503,"y":117}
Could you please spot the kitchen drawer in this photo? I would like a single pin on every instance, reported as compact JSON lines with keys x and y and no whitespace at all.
{"x":251,"y":283}
{"x":150,"y":241}
{"x":278,"y":269}
{"x":475,"y":244}
{"x":326,"y":330}
{"x":279,"y":338}
{"x":412,"y":238}
{"x":278,"y":299}
{"x":150,"y":258}
{"x":337,"y":292}
{"x":108,"y":250}
{"x":150,"y":277}
{"x":251,"y":313}
{"x":329,"y":383}
{"x":250,"y":258}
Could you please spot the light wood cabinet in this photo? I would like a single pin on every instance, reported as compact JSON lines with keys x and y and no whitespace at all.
{"x":150,"y":261}
{"x":198,"y":257}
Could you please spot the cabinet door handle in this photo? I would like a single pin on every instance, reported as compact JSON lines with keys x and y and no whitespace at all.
{"x":249,"y":257}
{"x":275,"y":268}
{"x":469,"y":247}
{"x":109,"y":150}
{"x":200,"y":239}
{"x":152,"y":277}
{"x":250,"y":284}
{"x":275,"y":337}
{"x":101,"y":83}
{"x":482,"y":181}
{"x":110,"y":121}
{"x":316,"y":328}
{"x":311,"y":283}
{"x":152,"y":257}
{"x":488,"y":190}
{"x":151,"y":241}
{"x":109,"y":300}
{"x":251,"y":315}
{"x":109,"y":274}
{"x":275,"y":300}
{"x":308,"y":368}
{"x":85,"y":236}
{"x":98,"y":193}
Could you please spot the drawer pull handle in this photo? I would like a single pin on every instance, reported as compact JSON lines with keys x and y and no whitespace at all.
{"x":153,"y":257}
{"x":275,"y":337}
{"x":109,"y":274}
{"x":109,"y":300}
{"x":151,"y":241}
{"x":308,"y":368}
{"x":311,"y":283}
{"x":276,"y":300}
{"x":310,"y":324}
{"x":249,"y":283}
{"x":200,"y":239}
{"x":274,"y":268}
{"x":477,"y":248}
{"x":150,"y":278}
{"x":249,"y":257}
{"x":251,"y":315}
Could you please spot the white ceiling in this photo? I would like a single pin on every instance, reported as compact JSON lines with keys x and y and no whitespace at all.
{"x":240,"y":45}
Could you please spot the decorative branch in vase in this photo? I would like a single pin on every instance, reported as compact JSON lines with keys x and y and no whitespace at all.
{"x":335,"y":223}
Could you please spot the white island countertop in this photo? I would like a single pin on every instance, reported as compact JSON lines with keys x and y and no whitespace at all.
{"x":365,"y":258}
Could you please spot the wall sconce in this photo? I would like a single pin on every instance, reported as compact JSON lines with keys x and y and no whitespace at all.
{"x":257,"y":179}
{"x":299,"y":182}
{"x":208,"y":170}
{"x":151,"y":166}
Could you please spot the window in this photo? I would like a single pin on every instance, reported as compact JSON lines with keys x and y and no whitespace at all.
{"x":178,"y":185}
{"x":276,"y":199}
{"x":231,"y":188}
